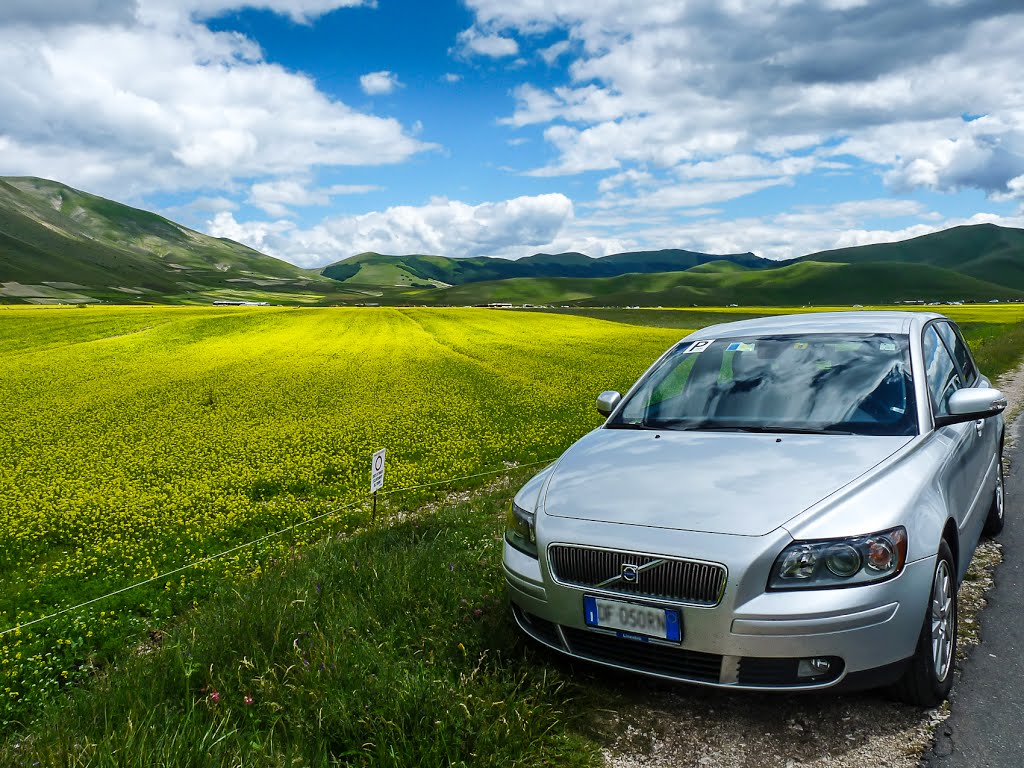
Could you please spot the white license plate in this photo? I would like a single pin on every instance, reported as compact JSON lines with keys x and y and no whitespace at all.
{"x":633,"y":619}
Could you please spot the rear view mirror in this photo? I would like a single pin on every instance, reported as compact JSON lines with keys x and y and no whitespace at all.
{"x":972,"y":403}
{"x":607,"y":401}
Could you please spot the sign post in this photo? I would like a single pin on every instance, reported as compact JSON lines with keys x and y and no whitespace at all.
{"x":376,"y":478}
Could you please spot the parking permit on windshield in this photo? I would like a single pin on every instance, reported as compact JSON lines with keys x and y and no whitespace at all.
{"x":698,"y":346}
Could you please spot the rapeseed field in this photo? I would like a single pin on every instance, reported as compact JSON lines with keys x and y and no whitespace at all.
{"x":136,"y":440}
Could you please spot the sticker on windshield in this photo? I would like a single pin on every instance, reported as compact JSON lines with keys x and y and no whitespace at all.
{"x":801,"y":345}
{"x":740,"y":346}
{"x":698,"y":346}
{"x":887,"y":346}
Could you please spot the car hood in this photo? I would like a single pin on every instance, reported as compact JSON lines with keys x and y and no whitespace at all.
{"x":715,"y":482}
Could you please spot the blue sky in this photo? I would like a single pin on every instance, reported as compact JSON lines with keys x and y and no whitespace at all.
{"x":317,"y":129}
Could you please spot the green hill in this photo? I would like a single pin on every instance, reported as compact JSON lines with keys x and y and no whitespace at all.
{"x":412,"y":270}
{"x":985,"y":251}
{"x":719,"y":267}
{"x":60,"y":244}
{"x":801,"y":283}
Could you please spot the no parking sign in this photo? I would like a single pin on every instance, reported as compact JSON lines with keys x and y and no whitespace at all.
{"x":377,"y":471}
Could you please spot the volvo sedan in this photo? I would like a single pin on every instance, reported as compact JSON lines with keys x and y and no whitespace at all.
{"x":786,"y":503}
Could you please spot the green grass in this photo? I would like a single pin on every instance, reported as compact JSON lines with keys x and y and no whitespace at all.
{"x":392,"y":647}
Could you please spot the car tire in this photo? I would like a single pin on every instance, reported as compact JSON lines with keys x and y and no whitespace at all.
{"x":929,"y":675}
{"x":997,"y":512}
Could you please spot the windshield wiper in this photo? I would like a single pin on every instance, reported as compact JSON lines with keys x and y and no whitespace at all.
{"x":711,"y":425}
{"x":785,"y":430}
{"x":629,"y":425}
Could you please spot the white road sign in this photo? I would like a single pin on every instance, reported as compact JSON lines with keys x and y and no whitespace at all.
{"x":377,"y":471}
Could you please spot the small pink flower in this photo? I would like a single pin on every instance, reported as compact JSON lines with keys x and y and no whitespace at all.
{"x":214,"y":696}
{"x":478,"y":612}
{"x":247,"y":700}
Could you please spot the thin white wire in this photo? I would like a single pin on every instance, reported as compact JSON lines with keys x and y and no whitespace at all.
{"x":219,"y":555}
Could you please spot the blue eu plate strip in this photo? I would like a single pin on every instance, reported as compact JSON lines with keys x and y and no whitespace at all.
{"x":672,"y":625}
{"x":590,"y":611}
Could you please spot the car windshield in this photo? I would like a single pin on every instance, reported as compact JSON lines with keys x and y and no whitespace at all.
{"x":815,"y":383}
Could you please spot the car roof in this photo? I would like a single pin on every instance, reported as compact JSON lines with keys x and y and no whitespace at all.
{"x":855,"y":321}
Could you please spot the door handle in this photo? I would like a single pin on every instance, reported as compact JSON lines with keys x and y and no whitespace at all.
{"x":979,"y":425}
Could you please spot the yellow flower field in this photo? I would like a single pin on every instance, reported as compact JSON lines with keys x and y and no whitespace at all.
{"x":140,"y":439}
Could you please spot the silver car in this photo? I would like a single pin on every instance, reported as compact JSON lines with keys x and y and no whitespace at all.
{"x":786,"y":503}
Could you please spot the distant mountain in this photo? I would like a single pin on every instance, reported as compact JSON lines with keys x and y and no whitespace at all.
{"x":800,"y":283}
{"x":60,"y":244}
{"x":985,"y":251}
{"x":441,"y":271}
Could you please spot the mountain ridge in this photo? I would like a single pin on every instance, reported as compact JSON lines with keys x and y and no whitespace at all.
{"x":61,"y":245}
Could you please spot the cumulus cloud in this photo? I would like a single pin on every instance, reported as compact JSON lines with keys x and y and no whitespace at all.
{"x":682,"y":84}
{"x":375,"y":83}
{"x":447,"y":227}
{"x":170,"y":105}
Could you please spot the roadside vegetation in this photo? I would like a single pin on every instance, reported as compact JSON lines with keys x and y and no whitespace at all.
{"x":390,"y":647}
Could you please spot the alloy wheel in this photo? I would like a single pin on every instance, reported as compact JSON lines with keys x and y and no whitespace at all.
{"x":943,"y":620}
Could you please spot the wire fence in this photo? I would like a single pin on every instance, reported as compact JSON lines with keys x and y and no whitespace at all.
{"x":265,"y":537}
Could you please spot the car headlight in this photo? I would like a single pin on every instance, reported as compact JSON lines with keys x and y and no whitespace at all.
{"x":520,"y":530}
{"x":840,"y":562}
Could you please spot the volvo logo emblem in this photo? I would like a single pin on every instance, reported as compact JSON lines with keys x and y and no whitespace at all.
{"x":629,"y":573}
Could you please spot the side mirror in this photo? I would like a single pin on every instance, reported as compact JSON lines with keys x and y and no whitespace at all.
{"x":972,"y":403}
{"x":607,"y":401}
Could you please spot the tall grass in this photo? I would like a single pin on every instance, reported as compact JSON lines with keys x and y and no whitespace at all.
{"x":391,"y":647}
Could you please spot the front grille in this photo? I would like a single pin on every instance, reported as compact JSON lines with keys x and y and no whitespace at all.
{"x":645,"y":657}
{"x":686,"y":581}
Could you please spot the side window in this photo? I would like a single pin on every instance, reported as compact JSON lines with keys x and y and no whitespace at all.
{"x":943,"y":379}
{"x":956,"y":343}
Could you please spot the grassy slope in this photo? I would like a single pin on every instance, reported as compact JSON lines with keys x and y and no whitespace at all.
{"x":984,"y":251}
{"x":795,"y":284}
{"x":51,"y":232}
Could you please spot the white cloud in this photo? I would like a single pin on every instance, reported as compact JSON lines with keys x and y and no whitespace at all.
{"x":552,"y":53}
{"x":472,"y":41}
{"x":170,"y":105}
{"x":260,"y":235}
{"x":688,"y":83}
{"x":277,"y":197}
{"x":299,"y":11}
{"x":375,"y":83}
{"x":451,"y":77}
{"x":446,"y":227}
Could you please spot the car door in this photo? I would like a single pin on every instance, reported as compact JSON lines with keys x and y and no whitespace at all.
{"x":981,"y":460}
{"x":957,"y":477}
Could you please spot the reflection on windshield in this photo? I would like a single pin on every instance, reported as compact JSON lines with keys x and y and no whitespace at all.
{"x":821,"y":383}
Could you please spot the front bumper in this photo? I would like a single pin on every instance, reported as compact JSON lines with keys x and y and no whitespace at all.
{"x":752,"y":639}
